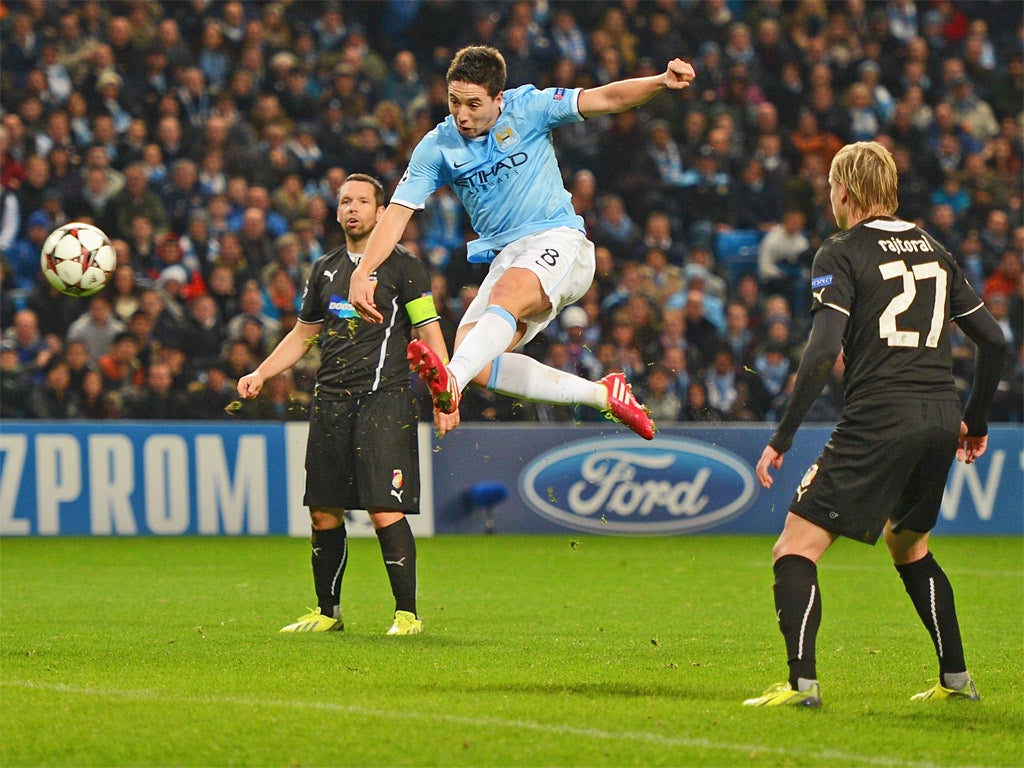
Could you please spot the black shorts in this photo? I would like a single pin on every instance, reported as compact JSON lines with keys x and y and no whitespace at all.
{"x":362,"y":453}
{"x":885,"y":461}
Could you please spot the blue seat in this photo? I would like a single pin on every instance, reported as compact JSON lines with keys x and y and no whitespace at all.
{"x":736,"y":252}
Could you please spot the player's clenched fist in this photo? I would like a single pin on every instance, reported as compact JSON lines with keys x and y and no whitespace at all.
{"x":679,"y":74}
{"x":250,"y":385}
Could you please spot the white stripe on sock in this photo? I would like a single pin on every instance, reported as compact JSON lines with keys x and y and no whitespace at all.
{"x":803,"y":622}
{"x":935,"y":616}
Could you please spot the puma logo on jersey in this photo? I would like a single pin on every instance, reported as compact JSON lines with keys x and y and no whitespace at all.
{"x":819,"y":296}
{"x":330,"y":273}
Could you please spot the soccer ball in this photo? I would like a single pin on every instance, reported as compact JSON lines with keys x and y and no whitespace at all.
{"x":77,"y":259}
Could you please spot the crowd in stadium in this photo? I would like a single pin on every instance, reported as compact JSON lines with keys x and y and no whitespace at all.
{"x":208,"y":140}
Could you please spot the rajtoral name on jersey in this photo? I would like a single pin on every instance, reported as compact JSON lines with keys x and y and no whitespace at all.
{"x":896,"y":245}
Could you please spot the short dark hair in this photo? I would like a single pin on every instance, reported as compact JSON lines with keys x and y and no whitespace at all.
{"x":378,"y":188}
{"x":480,"y":65}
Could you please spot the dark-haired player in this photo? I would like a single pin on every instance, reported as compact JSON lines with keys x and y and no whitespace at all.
{"x":495,"y":152}
{"x":884,"y":292}
{"x":362,"y":449}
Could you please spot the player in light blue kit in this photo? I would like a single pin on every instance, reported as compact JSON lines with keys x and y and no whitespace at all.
{"x":495,"y":153}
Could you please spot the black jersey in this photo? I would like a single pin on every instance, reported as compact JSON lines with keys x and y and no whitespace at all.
{"x":357,"y":357}
{"x":900,"y":289}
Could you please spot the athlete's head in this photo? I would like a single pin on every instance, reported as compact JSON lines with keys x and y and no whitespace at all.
{"x":863,"y":182}
{"x":476,"y":79}
{"x":360,"y":205}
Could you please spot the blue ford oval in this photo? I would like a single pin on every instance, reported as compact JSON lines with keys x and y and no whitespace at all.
{"x":620,"y":486}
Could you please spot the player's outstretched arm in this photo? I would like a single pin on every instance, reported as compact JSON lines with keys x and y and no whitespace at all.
{"x":385,"y":236}
{"x":625,"y":94}
{"x":286,"y":354}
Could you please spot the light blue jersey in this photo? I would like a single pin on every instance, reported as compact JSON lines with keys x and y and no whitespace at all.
{"x":508,"y":181}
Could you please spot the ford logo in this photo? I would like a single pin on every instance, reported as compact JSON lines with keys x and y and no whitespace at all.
{"x":619,"y":487}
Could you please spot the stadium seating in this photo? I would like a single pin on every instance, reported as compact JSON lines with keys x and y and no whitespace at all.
{"x":736,"y":252}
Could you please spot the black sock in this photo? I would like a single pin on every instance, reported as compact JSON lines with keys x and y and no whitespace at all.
{"x":798,"y":608}
{"x":398,"y":547}
{"x":330,"y":555}
{"x":932,"y":595}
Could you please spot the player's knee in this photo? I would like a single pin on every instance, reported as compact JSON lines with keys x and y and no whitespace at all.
{"x":906,"y":549}
{"x":325,"y":519}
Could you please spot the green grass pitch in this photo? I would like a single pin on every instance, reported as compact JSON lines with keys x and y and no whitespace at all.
{"x":537,"y":651}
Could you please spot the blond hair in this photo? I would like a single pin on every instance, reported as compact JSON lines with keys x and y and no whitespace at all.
{"x":869,"y":173}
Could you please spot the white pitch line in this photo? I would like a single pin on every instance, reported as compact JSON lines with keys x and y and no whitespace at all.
{"x":475,"y":722}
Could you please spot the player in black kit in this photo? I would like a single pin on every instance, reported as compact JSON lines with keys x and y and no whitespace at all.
{"x":884,"y":293}
{"x":362,"y":450}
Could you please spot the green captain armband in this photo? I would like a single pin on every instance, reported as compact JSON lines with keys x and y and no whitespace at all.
{"x":421,"y":310}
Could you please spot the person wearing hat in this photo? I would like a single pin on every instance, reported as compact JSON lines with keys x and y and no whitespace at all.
{"x":583,"y":361}
{"x":23,"y":255}
{"x":108,"y":86}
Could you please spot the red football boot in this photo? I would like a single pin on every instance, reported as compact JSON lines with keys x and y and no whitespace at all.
{"x":432,"y":371}
{"x":625,"y":408}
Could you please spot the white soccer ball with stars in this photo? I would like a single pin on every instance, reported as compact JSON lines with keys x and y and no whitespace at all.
{"x":78,"y":259}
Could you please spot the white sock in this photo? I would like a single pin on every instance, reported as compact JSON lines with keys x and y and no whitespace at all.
{"x":489,"y":338}
{"x":522,"y":376}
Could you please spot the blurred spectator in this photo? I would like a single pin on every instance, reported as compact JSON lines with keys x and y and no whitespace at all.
{"x":251,"y":308}
{"x":15,"y":382}
{"x":120,"y":366}
{"x":738,"y":334}
{"x":568,"y":40}
{"x":697,"y":407}
{"x":53,"y":398}
{"x":212,"y":393}
{"x":95,"y":401}
{"x":659,"y":278}
{"x":658,"y":397}
{"x":995,"y":239}
{"x":137,"y":199}
{"x":182,"y":194}
{"x":97,"y":327}
{"x":970,"y":112}
{"x":156,"y":399}
{"x":773,"y":366}
{"x":23,"y":255}
{"x":728,"y":389}
{"x":707,"y":200}
{"x":614,"y":228}
{"x":1005,"y":278}
{"x":79,"y":363}
{"x":165,"y":317}
{"x":758,"y":201}
{"x":700,"y":332}
{"x":782,"y":255}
